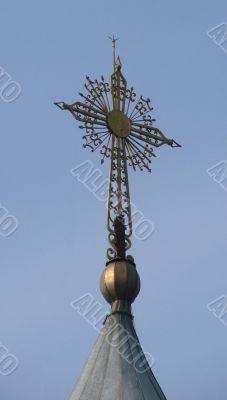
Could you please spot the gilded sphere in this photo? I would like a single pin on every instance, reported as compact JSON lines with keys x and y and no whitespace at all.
{"x":120,"y":281}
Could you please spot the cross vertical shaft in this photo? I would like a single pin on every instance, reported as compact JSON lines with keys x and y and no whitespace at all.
{"x":125,"y":134}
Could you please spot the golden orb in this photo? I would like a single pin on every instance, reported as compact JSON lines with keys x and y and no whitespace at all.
{"x":120,"y":281}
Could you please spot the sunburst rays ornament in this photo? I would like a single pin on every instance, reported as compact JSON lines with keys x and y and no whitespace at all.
{"x":120,"y":126}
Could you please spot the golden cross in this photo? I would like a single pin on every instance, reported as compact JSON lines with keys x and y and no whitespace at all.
{"x":122,"y":128}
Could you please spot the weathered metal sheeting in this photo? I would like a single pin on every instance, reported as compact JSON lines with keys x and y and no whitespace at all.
{"x":117,"y":368}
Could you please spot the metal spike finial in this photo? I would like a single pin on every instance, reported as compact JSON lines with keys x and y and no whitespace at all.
{"x":113,"y":40}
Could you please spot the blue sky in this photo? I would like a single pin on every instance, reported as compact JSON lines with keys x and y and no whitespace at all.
{"x":57,"y":253}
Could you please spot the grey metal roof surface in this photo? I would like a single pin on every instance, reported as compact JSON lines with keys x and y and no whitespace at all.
{"x":116,"y":368}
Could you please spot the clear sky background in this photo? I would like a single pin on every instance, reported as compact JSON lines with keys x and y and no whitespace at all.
{"x":58,"y":251}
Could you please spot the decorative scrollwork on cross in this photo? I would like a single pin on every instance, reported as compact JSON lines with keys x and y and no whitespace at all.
{"x":122,"y":129}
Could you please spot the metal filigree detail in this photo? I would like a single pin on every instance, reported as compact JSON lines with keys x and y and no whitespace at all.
{"x":122,"y":129}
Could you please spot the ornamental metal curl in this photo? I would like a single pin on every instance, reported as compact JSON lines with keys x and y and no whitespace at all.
{"x":122,"y":129}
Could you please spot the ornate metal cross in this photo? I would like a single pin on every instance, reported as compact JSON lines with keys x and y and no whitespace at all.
{"x":121,"y":127}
